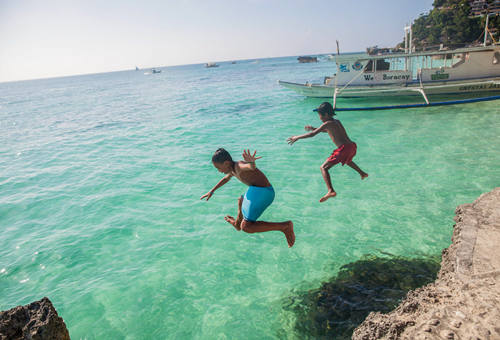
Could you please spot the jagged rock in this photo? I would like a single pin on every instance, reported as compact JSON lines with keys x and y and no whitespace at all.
{"x":465,"y":297}
{"x":37,"y":321}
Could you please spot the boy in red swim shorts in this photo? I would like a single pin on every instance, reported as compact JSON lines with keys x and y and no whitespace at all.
{"x":346,"y":148}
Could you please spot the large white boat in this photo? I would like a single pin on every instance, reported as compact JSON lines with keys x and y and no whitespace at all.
{"x":441,"y":72}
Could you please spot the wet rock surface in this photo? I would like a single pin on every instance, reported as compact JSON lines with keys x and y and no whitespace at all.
{"x":37,"y":321}
{"x":464,"y":302}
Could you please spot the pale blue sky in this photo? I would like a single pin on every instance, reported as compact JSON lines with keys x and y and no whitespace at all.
{"x":52,"y":38}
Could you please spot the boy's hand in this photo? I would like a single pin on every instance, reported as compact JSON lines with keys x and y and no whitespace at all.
{"x":292,"y":140}
{"x":248,"y":157}
{"x":207,"y":195}
{"x":309,"y":128}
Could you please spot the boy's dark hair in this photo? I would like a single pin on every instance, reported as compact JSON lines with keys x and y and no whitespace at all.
{"x":325,"y":109}
{"x":221,"y":155}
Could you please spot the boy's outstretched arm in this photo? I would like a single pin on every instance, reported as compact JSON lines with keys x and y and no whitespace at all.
{"x":313,"y":133}
{"x":217,"y":186}
{"x":311,"y":128}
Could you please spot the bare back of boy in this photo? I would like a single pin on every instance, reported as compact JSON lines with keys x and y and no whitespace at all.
{"x":248,"y":176}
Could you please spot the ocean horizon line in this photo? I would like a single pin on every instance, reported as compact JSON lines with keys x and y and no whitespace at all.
{"x":165,"y":66}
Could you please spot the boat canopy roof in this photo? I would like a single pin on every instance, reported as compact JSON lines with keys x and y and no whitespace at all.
{"x":364,"y":56}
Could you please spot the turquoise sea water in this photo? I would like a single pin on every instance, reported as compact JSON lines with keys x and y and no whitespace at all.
{"x":101,"y":175}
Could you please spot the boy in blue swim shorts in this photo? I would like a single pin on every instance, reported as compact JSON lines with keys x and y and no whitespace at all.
{"x":258,"y":197}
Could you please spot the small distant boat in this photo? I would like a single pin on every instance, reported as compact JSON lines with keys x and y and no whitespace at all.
{"x":136,"y":68}
{"x":211,"y":65}
{"x":307,"y":59}
{"x":153,"y":71}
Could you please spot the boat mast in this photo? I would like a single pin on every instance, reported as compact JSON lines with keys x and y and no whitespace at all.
{"x":408,"y":43}
{"x":336,"y":90}
{"x":486,"y":29}
{"x":408,"y":46}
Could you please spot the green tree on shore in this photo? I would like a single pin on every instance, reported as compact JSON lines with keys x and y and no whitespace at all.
{"x":450,"y":23}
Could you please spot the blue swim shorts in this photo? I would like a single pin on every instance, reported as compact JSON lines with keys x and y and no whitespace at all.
{"x":255,"y":201}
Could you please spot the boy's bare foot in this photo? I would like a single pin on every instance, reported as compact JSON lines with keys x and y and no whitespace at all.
{"x":290,"y":235}
{"x":232,"y":221}
{"x":328,"y":195}
{"x":363,"y":176}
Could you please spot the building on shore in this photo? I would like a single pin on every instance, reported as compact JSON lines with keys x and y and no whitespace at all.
{"x":482,"y":7}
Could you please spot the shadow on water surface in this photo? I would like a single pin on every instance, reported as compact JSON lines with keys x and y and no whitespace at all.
{"x":372,"y":284}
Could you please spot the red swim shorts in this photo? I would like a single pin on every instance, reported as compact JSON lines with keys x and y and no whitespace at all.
{"x":343,"y":154}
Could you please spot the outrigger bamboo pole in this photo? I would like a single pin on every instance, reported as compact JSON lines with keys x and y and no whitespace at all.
{"x":421,"y":89}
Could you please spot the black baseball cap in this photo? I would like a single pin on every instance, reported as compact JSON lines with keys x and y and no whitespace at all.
{"x":325,"y":108}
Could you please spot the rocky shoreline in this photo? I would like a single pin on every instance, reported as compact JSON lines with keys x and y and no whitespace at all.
{"x":36,"y":321}
{"x":464,"y":301}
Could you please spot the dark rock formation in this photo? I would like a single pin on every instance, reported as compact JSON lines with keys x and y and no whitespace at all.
{"x":37,"y":321}
{"x":370,"y":284}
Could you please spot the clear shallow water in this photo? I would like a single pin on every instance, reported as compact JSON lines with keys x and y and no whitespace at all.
{"x":100,"y":179}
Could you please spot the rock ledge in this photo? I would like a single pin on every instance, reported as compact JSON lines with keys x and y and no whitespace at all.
{"x":464,"y":301}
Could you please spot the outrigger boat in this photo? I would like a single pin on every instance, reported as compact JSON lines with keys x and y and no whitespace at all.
{"x":469,"y":70}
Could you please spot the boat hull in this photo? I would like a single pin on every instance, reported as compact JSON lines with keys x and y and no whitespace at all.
{"x":469,"y":86}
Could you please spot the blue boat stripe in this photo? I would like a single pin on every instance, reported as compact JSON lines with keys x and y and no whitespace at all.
{"x":407,"y":106}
